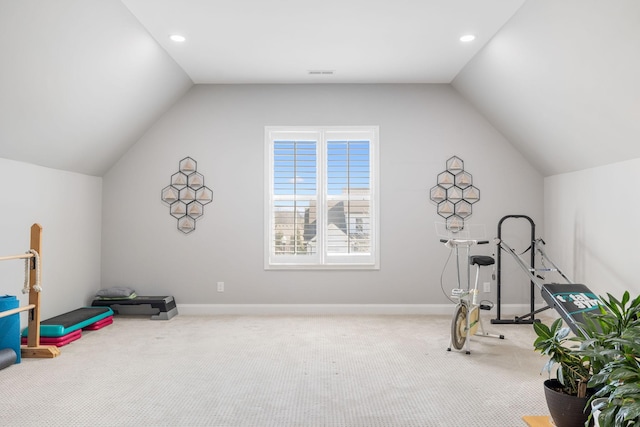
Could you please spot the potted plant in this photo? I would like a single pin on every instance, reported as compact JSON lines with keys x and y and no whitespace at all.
{"x":567,"y":394}
{"x":614,"y":353}
{"x":604,"y":368}
{"x":622,"y":387}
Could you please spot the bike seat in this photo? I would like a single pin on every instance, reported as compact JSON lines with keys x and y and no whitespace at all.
{"x":481,"y":260}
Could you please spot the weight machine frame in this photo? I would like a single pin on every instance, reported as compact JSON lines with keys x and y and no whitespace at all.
{"x":529,"y":317}
{"x":571,"y":300}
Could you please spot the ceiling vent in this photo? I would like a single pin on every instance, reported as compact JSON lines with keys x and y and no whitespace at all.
{"x":321,"y":72}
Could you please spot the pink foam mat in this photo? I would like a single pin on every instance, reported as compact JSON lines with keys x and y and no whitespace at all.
{"x":99,"y":324}
{"x":58,"y":341}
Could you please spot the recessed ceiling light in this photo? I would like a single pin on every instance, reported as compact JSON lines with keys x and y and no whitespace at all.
{"x":177,"y":38}
{"x":467,"y":38}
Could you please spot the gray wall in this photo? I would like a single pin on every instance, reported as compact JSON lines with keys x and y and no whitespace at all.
{"x":222,"y":127}
{"x":68,"y":206}
{"x":592,"y":225}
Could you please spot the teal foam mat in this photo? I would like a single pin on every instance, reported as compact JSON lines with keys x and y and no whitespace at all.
{"x":72,"y":321}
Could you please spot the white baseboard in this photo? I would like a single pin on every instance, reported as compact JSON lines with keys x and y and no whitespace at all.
{"x":507,"y":310}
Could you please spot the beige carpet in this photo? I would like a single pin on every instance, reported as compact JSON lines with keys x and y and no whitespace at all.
{"x":279,"y":371}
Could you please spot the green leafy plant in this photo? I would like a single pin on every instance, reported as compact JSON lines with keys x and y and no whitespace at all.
{"x":607,"y":359}
{"x":615,"y":354}
{"x":572,"y":369}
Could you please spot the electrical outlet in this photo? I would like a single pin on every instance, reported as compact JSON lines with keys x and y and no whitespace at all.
{"x":220,"y":286}
{"x":487,"y":287}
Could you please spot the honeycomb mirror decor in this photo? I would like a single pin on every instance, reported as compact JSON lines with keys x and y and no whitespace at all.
{"x":186,"y":195}
{"x":454,"y":194}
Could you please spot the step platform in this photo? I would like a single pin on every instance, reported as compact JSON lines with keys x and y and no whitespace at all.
{"x":159,"y":307}
{"x":99,"y":324}
{"x":58,"y":341}
{"x":64,"y":324}
{"x":573,"y":302}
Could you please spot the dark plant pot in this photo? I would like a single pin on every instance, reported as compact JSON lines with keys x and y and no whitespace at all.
{"x":566,"y":410}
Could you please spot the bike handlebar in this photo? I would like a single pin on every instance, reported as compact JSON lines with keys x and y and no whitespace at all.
{"x":463,"y":242}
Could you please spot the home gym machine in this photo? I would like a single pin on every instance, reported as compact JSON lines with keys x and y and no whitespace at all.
{"x":530,"y":317}
{"x":571,"y":300}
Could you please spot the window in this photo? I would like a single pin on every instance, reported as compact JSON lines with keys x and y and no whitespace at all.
{"x":321,"y":197}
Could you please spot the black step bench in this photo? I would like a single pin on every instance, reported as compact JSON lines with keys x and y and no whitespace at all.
{"x":159,"y":307}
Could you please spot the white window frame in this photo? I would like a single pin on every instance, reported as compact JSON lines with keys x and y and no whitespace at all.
{"x":322,"y":259}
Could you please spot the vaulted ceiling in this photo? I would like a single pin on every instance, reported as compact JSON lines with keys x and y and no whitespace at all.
{"x":359,"y":41}
{"x":81,"y":80}
{"x":560,"y":81}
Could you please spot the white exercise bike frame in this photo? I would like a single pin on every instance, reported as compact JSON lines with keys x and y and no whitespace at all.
{"x":466,"y":315}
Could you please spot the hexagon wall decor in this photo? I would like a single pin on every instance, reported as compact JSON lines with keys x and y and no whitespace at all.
{"x":454,"y":194}
{"x":186,"y":195}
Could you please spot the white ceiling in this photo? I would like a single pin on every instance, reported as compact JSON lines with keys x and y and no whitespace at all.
{"x":82,"y":80}
{"x":362,"y":41}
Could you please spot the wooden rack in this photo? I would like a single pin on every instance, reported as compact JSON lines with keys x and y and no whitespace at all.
{"x":33,"y":347}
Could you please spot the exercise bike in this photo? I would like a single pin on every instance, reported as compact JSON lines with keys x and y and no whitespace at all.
{"x":466,"y":315}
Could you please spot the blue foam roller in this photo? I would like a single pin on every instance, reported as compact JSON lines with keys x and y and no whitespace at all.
{"x":10,"y":325}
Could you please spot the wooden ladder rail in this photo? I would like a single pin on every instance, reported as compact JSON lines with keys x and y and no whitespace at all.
{"x":33,"y":348}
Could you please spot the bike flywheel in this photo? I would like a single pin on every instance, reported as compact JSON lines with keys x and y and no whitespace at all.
{"x":459,"y":327}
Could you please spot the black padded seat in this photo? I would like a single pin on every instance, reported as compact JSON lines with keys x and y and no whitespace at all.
{"x":481,"y":260}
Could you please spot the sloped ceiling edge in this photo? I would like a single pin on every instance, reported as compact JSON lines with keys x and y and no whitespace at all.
{"x":81,"y":82}
{"x":560,"y":82}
